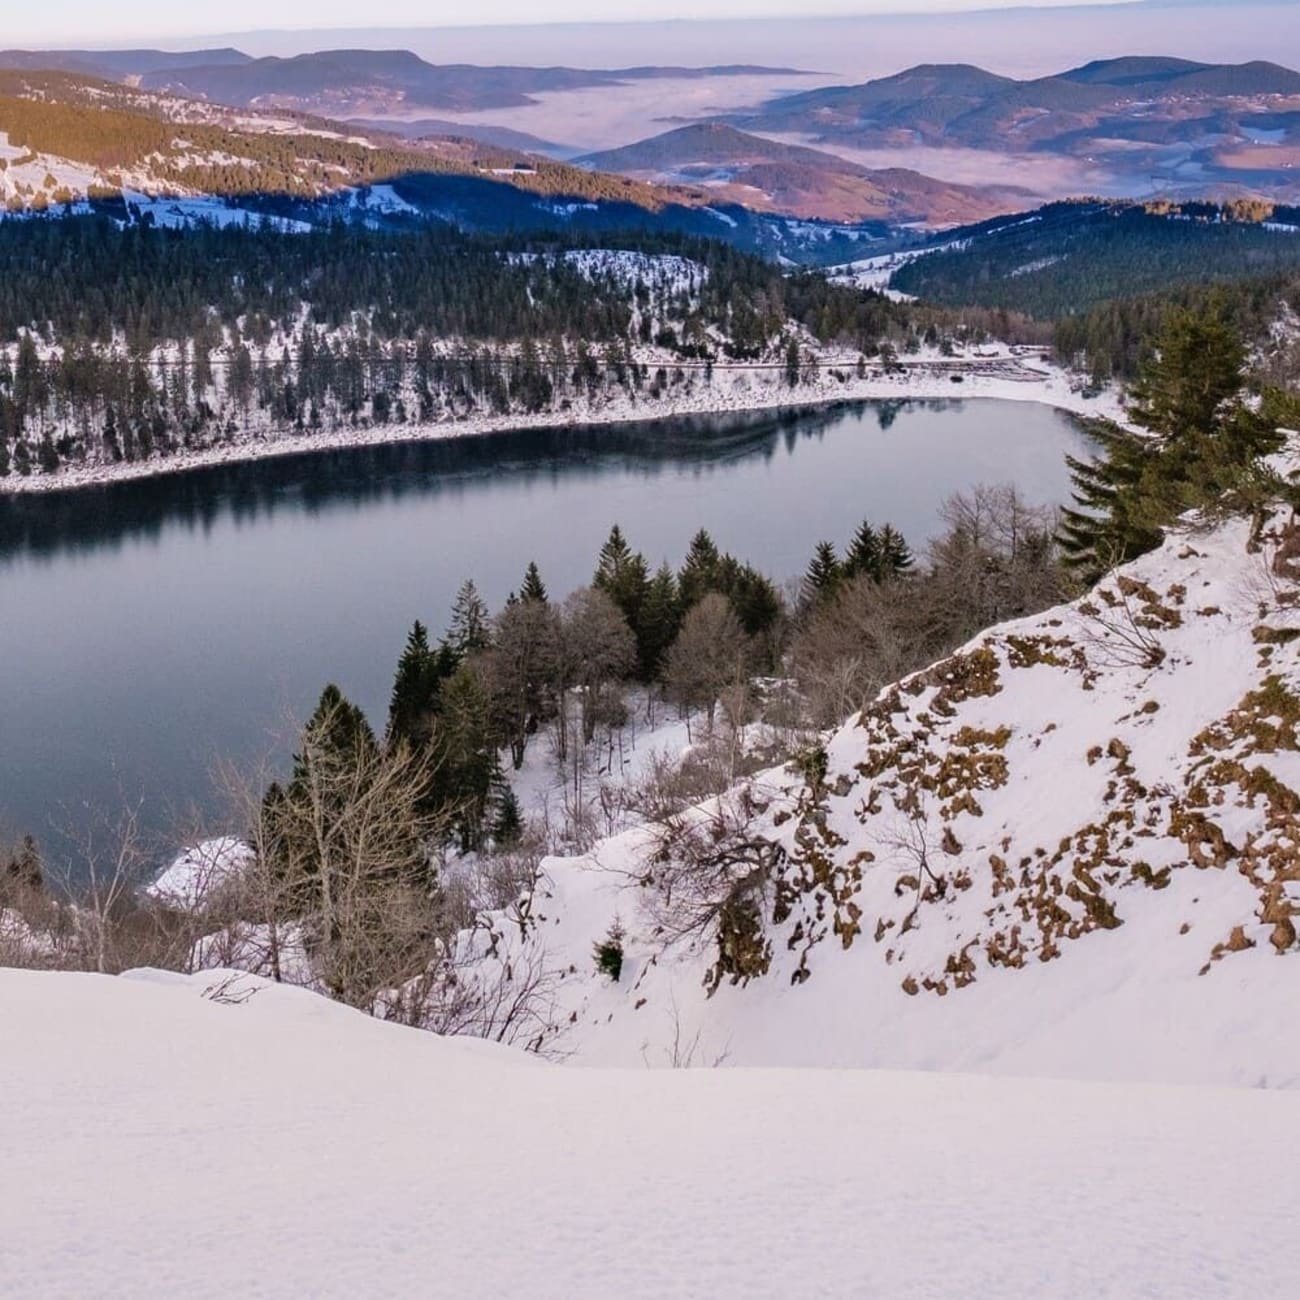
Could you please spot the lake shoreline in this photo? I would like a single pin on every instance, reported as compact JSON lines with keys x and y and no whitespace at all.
{"x":1004,"y":375}
{"x":170,"y":625}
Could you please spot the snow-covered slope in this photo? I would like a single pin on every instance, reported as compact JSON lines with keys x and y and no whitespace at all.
{"x":1072,"y":849}
{"x":217,"y":1136}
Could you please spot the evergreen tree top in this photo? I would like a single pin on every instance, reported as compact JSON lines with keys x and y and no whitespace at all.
{"x":470,"y":629}
{"x":533,"y":587}
{"x":824,"y":572}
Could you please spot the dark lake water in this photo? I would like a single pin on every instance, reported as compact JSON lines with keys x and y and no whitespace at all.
{"x":149,"y":628}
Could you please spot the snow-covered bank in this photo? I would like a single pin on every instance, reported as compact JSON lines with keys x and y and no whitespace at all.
{"x":168,"y":1136}
{"x":733,"y":389}
{"x":1073,"y":849}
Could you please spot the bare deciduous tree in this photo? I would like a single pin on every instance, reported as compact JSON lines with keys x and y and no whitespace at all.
{"x":711,"y":652}
{"x":709,"y":876}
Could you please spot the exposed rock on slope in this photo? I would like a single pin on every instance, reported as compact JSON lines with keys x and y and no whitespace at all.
{"x":1072,"y":847}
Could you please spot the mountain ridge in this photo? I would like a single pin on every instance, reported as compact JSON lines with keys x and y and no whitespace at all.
{"x":803,"y":181}
{"x":1148,"y":122}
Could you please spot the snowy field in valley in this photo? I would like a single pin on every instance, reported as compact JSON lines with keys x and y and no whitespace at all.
{"x":168,"y":1136}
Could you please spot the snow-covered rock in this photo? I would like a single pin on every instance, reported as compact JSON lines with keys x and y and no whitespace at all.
{"x":199,"y":872}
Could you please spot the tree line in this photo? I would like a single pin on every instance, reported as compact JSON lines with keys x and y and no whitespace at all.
{"x":127,"y":343}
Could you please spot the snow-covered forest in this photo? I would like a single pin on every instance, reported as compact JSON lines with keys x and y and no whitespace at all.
{"x":155,"y":344}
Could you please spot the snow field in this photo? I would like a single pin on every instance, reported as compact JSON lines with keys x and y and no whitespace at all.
{"x":259,"y":1141}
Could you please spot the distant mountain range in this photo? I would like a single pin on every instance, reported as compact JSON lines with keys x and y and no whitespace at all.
{"x":1167,"y":121}
{"x":68,"y":141}
{"x":1132,"y":127}
{"x":768,"y":174}
{"x":345,"y":83}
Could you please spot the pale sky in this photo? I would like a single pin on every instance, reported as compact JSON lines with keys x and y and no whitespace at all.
{"x":92,"y":22}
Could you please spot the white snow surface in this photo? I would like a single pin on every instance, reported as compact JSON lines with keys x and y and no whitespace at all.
{"x":199,"y":871}
{"x":213,"y":1135}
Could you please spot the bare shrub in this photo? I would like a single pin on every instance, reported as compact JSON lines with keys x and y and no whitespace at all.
{"x":996,"y":561}
{"x":1118,"y":633}
{"x":709,"y":876}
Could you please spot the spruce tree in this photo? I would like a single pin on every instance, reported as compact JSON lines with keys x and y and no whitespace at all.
{"x":823,"y":575}
{"x":337,"y":727}
{"x":471,"y":625}
{"x":1203,"y":441}
{"x":792,"y":363}
{"x":1195,"y":372}
{"x":613,"y":556}
{"x":621,"y":574}
{"x":863,"y":555}
{"x":25,"y":870}
{"x":467,"y":757}
{"x":415,"y":687}
{"x":895,"y":555}
{"x":533,"y":587}
{"x":1111,"y":521}
{"x":699,"y":572}
{"x":508,"y":821}
{"x":660,"y":621}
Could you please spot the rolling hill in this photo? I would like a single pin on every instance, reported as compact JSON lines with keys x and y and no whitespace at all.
{"x":806,"y":182}
{"x":499,"y":137}
{"x":66,"y":139}
{"x":1067,"y":258}
{"x":1150,"y":123}
{"x":345,"y":83}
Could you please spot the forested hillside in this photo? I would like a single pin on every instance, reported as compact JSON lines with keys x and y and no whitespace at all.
{"x":1104,"y":276}
{"x":1068,"y":257}
{"x":149,"y":340}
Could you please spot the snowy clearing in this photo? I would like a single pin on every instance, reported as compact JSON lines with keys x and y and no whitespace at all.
{"x":205,"y":1137}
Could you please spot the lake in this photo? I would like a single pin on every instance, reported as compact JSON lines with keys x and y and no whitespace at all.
{"x":149,"y":628}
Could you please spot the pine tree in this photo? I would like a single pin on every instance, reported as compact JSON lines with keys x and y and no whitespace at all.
{"x":863,"y":555}
{"x":824,"y":574}
{"x":699,"y":572}
{"x":471,"y":628}
{"x":895,"y":555}
{"x":533,"y":588}
{"x":415,"y":690}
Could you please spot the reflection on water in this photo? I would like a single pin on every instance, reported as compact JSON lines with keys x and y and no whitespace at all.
{"x":148,"y":628}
